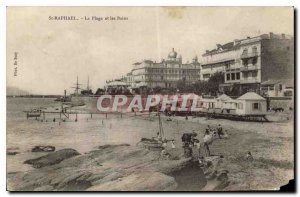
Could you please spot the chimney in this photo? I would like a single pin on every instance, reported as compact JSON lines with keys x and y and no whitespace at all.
{"x":271,"y":35}
{"x":283,"y":36}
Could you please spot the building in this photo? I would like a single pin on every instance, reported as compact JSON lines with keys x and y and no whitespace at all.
{"x":246,"y":63}
{"x":277,"y":88}
{"x":164,"y":74}
{"x":251,"y":104}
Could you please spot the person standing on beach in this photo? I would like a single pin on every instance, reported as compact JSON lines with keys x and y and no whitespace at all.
{"x":220,"y":131}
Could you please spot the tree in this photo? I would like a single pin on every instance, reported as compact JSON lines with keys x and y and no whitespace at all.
{"x":214,"y":81}
{"x":181,"y":85}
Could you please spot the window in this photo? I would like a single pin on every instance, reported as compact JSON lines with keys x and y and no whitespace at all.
{"x":254,"y":50}
{"x":245,"y":62}
{"x":232,"y":76}
{"x":240,"y":106}
{"x":254,"y":74}
{"x":228,"y":77}
{"x":256,"y":106}
{"x":280,"y":87}
{"x":254,"y":61}
{"x":238,"y":76}
{"x":245,"y":51}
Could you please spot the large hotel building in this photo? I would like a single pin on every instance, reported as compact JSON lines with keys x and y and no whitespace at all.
{"x":252,"y":64}
{"x":164,"y":74}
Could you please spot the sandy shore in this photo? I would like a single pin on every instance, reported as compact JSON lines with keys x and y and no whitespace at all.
{"x":271,"y":145}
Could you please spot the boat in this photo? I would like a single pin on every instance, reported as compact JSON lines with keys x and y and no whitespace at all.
{"x":154,"y":143}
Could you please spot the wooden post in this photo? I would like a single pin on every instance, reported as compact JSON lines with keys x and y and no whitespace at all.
{"x":106,"y":115}
{"x":91,"y":116}
{"x":76,"y":118}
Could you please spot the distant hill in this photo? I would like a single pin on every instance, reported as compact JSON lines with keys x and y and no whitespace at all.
{"x":13,"y":91}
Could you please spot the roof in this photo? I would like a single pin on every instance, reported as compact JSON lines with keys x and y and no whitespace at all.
{"x":270,"y":82}
{"x":116,"y":83}
{"x":223,"y":97}
{"x":225,"y":47}
{"x":251,"y":96}
{"x":287,"y":82}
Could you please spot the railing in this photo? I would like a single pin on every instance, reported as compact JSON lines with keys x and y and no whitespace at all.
{"x":251,"y":80}
{"x":249,"y":68}
{"x":248,"y":55}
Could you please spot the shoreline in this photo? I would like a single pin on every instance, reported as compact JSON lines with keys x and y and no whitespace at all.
{"x":270,"y":169}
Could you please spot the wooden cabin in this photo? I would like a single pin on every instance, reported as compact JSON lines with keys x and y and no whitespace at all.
{"x":251,"y":104}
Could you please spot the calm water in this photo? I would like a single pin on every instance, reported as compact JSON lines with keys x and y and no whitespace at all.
{"x":84,"y":135}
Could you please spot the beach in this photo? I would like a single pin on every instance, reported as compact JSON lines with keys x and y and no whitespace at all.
{"x":271,"y":144}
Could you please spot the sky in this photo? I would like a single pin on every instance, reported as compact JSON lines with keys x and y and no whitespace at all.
{"x":52,"y":53}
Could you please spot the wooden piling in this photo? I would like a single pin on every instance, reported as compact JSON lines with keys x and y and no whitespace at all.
{"x":91,"y":115}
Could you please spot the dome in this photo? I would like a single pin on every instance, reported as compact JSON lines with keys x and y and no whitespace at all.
{"x":172,"y":54}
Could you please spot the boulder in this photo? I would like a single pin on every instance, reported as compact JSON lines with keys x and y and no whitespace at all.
{"x":52,"y":158}
{"x":146,"y":181}
{"x":43,"y":149}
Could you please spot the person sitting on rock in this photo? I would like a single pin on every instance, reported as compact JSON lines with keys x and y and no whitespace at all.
{"x":249,"y":156}
{"x":173,"y":144}
{"x":225,"y":134}
{"x":164,"y":143}
{"x":158,"y":137}
{"x":164,"y":153}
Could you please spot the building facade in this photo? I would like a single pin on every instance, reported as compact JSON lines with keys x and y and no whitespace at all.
{"x":246,"y":63}
{"x":164,"y":74}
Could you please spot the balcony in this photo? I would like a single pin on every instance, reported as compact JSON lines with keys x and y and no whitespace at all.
{"x":249,"y":68}
{"x":250,"y":80}
{"x":249,"y":55}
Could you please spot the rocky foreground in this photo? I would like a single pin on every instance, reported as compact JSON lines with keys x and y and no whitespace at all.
{"x":116,"y":168}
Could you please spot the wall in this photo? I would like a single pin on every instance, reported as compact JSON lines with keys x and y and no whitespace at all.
{"x":277,"y":59}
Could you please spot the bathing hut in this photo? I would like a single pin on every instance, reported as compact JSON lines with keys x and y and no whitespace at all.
{"x":221,"y":101}
{"x":251,"y":104}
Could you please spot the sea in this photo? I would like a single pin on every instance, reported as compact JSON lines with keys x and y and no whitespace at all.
{"x":84,"y":135}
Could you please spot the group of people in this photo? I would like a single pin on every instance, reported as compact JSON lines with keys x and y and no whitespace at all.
{"x":190,"y":140}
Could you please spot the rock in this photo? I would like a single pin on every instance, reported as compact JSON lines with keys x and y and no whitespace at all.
{"x":43,"y":149}
{"x":11,"y":152}
{"x":44,"y":188}
{"x":110,"y":177}
{"x":147,"y":181}
{"x":52,"y":158}
{"x":109,"y":146}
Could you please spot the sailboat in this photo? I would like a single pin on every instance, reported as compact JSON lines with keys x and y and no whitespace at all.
{"x":154,"y":143}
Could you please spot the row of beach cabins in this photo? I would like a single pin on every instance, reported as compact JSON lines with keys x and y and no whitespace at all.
{"x":249,"y":106}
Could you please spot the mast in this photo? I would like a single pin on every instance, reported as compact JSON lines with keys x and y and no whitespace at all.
{"x":88,"y":83}
{"x":77,"y":87}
